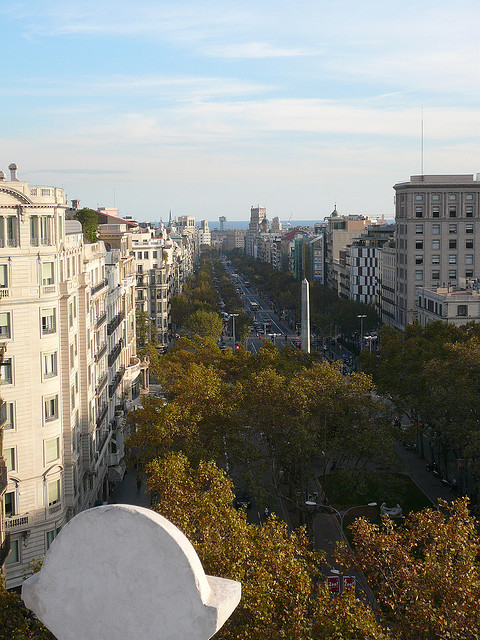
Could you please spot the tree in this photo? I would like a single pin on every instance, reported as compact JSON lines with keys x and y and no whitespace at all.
{"x":425,"y":573}
{"x":88,"y":218}
{"x":205,"y":324}
{"x":280,"y":576}
{"x":16,"y":621}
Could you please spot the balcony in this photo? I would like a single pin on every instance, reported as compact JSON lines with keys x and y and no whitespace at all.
{"x":101,"y":352}
{"x":102,"y":414}
{"x":113,"y":324}
{"x":98,"y":287}
{"x":114,"y":353}
{"x":115,"y":382}
{"x":101,"y":385}
{"x":4,"y":549}
{"x":100,"y":320}
{"x":3,"y":476}
{"x":15,"y":522}
{"x":4,"y":293}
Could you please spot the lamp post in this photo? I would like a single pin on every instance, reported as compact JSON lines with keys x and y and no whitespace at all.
{"x":341,"y":514}
{"x":361,"y":329}
{"x":233,"y":316}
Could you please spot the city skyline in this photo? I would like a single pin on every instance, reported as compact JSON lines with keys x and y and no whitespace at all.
{"x":206,"y":109}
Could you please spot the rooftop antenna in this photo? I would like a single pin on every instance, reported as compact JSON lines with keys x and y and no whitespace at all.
{"x":421,"y":173}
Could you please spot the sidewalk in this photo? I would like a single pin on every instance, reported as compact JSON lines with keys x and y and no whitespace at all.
{"x":415,"y":467}
{"x":126,"y":492}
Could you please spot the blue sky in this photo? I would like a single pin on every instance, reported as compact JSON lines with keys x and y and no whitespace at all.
{"x":207,"y":108}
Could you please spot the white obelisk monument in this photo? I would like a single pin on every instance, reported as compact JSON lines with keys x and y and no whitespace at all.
{"x":305,"y":316}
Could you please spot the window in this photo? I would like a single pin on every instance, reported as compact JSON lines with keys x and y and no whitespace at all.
{"x":435,"y":259}
{"x":155,"y":255}
{"x":9,"y":455}
{"x":53,"y":492}
{"x":469,"y":211}
{"x":45,"y":230}
{"x":6,"y":371}
{"x":419,"y":259}
{"x":418,"y":197}
{"x":139,"y":268}
{"x":5,"y":325}
{"x":435,"y":211}
{"x":452,"y":259}
{"x":33,"y":192}
{"x":452,"y":274}
{"x":50,"y":537}
{"x":469,"y":273}
{"x":49,"y":324}
{"x":452,"y":197}
{"x":418,"y":244}
{"x":10,"y":504}
{"x":452,"y":228}
{"x":419,"y":212}
{"x":419,"y":228}
{"x":47,"y":273}
{"x":50,"y":364}
{"x":435,"y":275}
{"x":9,"y":414}
{"x":419,"y":275}
{"x":469,"y":196}
{"x":435,"y":229}
{"x":469,"y":258}
{"x":462,"y":310}
{"x":435,"y":244}
{"x":52,"y":450}
{"x":45,"y":192}
{"x":145,"y":255}
{"x":469,"y":244}
{"x":436,"y":196}
{"x":14,"y":555}
{"x":51,"y":408}
{"x":452,"y":244}
{"x":469,"y":228}
{"x":3,"y":276}
{"x":72,"y":396}
{"x":452,"y":212}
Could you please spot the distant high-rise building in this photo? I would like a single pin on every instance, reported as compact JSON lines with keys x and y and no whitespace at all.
{"x":222,"y":220}
{"x":437,"y":238}
{"x":257,"y":216}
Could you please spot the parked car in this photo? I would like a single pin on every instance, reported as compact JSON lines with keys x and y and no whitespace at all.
{"x":243,"y":500}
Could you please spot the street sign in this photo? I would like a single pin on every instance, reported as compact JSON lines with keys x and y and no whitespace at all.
{"x":348,"y":582}
{"x":333,"y":584}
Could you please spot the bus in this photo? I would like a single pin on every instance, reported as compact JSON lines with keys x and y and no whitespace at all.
{"x":254,"y":306}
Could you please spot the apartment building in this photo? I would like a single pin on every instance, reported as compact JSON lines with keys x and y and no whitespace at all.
{"x":4,"y":536}
{"x":340,"y":232}
{"x":60,"y":394}
{"x":386,"y":286}
{"x":437,"y":231}
{"x":163,"y":260}
{"x":448,"y":304}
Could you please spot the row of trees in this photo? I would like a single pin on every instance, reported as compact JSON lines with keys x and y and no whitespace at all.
{"x":328,"y":311}
{"x":432,"y":373}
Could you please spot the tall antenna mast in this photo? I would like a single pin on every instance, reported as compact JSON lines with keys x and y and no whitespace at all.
{"x":421,"y":173}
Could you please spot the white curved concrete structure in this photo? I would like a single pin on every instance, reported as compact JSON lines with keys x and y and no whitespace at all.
{"x":120,"y":572}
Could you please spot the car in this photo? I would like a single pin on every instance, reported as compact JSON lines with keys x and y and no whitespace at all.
{"x":243,"y":499}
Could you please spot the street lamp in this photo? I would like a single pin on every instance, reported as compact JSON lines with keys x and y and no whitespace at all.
{"x":341,"y":514}
{"x":361,"y":329}
{"x":233,"y":316}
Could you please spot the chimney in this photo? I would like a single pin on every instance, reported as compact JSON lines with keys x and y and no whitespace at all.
{"x":13,"y":172}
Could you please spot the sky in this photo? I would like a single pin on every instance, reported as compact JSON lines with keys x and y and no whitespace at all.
{"x":209,"y":108}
